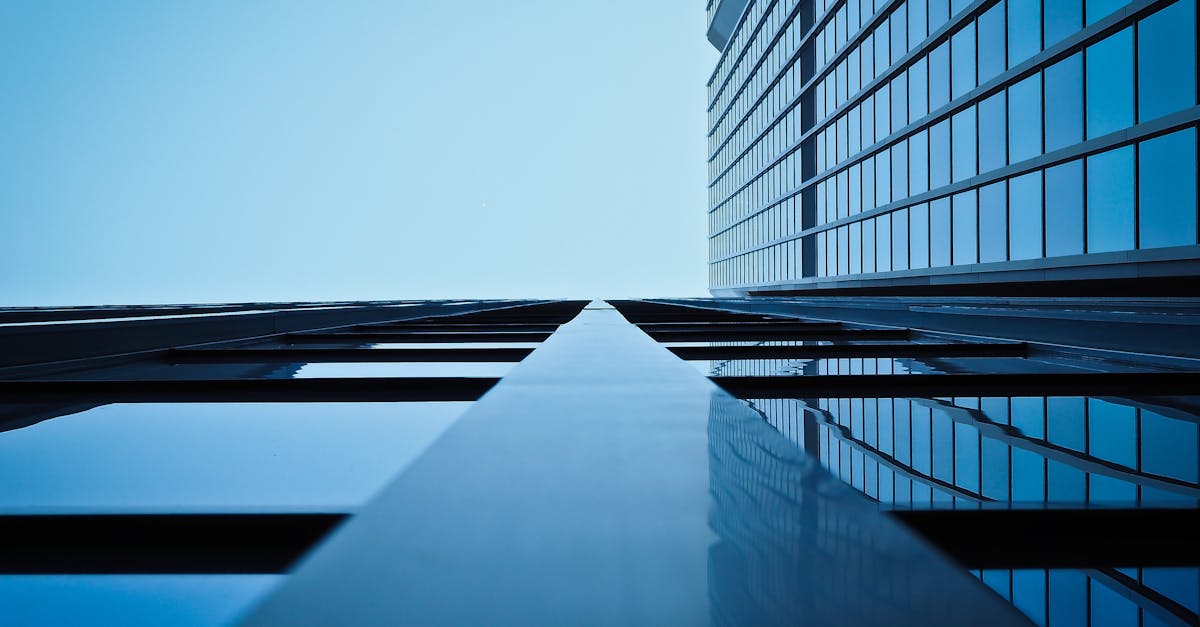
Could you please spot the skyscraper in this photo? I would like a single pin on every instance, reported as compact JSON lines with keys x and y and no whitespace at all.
{"x":952,"y":147}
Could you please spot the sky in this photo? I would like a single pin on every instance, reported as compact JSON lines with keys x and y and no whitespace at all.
{"x":233,"y":150}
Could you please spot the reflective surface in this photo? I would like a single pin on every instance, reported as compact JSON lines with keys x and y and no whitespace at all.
{"x":403,"y":369}
{"x":220,"y":456}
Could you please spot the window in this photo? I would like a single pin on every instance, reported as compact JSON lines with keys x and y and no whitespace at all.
{"x":1024,"y":119}
{"x":1062,"y":17}
{"x":992,"y":152}
{"x":962,"y":61}
{"x":993,"y":223}
{"x":964,"y":223}
{"x":918,"y":90}
{"x":883,"y":178}
{"x":939,"y":233}
{"x":939,"y":76}
{"x":1025,"y":216}
{"x":916,"y":22}
{"x":868,"y":245}
{"x":963,"y":139}
{"x":900,"y":170}
{"x":1110,"y":200}
{"x":900,"y":239}
{"x":939,"y":154}
{"x":939,"y":12}
{"x":882,"y":117}
{"x":918,"y":163}
{"x":918,"y":236}
{"x":898,"y":21}
{"x":856,"y":248}
{"x":991,"y":42}
{"x":1110,"y":84}
{"x":868,"y":184}
{"x":1167,"y":190}
{"x":1024,"y":29}
{"x":899,"y":102}
{"x":1064,"y":103}
{"x":1167,"y":61}
{"x":1097,"y":10}
{"x":883,"y":243}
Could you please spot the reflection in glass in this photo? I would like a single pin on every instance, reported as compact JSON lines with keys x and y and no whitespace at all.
{"x":1110,"y":200}
{"x":1064,"y":209}
{"x":1167,"y":190}
{"x":1167,"y":61}
{"x":1064,"y":103}
{"x":1110,"y":84}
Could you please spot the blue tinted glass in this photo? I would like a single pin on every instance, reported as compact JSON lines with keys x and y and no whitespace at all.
{"x":883,"y":243}
{"x":1112,"y":432}
{"x":962,"y":137}
{"x":918,"y":235}
{"x":966,"y":457}
{"x":1029,"y":594}
{"x":1024,"y":30}
{"x":939,"y":154}
{"x":939,"y":12}
{"x":1065,"y":422}
{"x":130,"y":600}
{"x":900,"y":239}
{"x":868,"y":245}
{"x":1110,"y":84}
{"x":992,"y":152}
{"x":1181,"y":585}
{"x":323,"y":370}
{"x":1028,"y":476}
{"x":1099,"y":9}
{"x":939,"y":233}
{"x":1064,"y":103}
{"x":1068,"y":598}
{"x":160,"y":455}
{"x":1064,"y":209}
{"x":1028,"y":415}
{"x":1062,"y":18}
{"x":883,"y":178}
{"x":1024,"y":119}
{"x":855,"y":248}
{"x":958,"y":5}
{"x":898,"y":21}
{"x":1065,"y":484}
{"x":900,"y":170}
{"x":965,"y":228}
{"x":991,"y":43}
{"x":882,"y":49}
{"x":882,"y":112}
{"x":868,"y":183}
{"x":942,"y":433}
{"x":1167,"y":61}
{"x":1025,"y":216}
{"x":939,"y":76}
{"x":1167,"y":190}
{"x":918,"y":163}
{"x":1110,"y":200}
{"x":962,"y":53}
{"x":899,"y":103}
{"x":916,"y":22}
{"x":1169,"y":446}
{"x":1110,"y":607}
{"x":994,"y":462}
{"x":993,"y":223}
{"x":918,"y":90}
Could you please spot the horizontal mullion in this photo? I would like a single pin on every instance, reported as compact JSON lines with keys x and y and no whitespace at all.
{"x":345,"y":355}
{"x":938,"y":385}
{"x":429,"y":337}
{"x":766,"y":336}
{"x":1054,"y":537}
{"x":761,"y":325}
{"x":476,"y":327}
{"x":1009,"y":349}
{"x":365,"y":389}
{"x":158,"y":543}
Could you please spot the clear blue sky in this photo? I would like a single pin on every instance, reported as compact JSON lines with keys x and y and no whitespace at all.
{"x":231,"y":150}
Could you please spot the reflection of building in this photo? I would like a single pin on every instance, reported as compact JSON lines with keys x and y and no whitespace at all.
{"x":945,"y":146}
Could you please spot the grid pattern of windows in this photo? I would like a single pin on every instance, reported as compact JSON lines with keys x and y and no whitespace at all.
{"x":854,"y":138}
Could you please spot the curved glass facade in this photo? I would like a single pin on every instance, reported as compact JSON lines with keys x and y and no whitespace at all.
{"x":868,"y":142}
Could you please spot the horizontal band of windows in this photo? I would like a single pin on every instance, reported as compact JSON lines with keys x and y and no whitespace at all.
{"x":737,"y":29}
{"x":1048,"y":384}
{"x":344,"y":355}
{"x":375,"y":389}
{"x":1065,"y":48}
{"x":1138,"y":132}
{"x":767,"y":50}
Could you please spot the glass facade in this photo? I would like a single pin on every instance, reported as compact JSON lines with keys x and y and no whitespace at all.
{"x":839,"y":131}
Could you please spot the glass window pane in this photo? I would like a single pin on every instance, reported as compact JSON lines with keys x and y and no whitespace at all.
{"x":1064,"y":103}
{"x":1110,"y":200}
{"x":1063,"y":17}
{"x":964,"y":221}
{"x":868,"y":245}
{"x":1064,"y":209}
{"x":900,"y":239}
{"x":1099,"y":9}
{"x":916,"y":22}
{"x":993,"y":223}
{"x":918,"y":235}
{"x":900,"y":170}
{"x":963,"y":139}
{"x":1167,"y":61}
{"x":898,"y":21}
{"x":883,"y":178}
{"x":883,"y":116}
{"x":992,"y":152}
{"x":1024,"y":30}
{"x":1112,"y":432}
{"x":939,"y":154}
{"x":1110,"y":84}
{"x":1025,"y":216}
{"x":939,"y":12}
{"x":1024,"y":119}
{"x":883,"y":243}
{"x":918,"y":91}
{"x":1169,"y":446}
{"x":991,"y":43}
{"x":962,"y":52}
{"x":939,"y":233}
{"x":939,"y":76}
{"x":918,"y":163}
{"x":1167,"y":190}
{"x":899,"y":102}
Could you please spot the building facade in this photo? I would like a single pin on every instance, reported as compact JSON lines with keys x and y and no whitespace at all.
{"x":947,"y":146}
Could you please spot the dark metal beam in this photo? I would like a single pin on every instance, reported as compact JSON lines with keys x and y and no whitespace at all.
{"x":724,"y":335}
{"x":780,"y":325}
{"x":1061,"y":538}
{"x":429,"y":337}
{"x":457,"y":327}
{"x":850,"y":350}
{"x":249,"y":390}
{"x":933,"y":385}
{"x":158,"y":543}
{"x":348,"y":355}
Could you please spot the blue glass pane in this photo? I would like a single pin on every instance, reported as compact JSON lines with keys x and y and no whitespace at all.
{"x":993,"y":223}
{"x":883,"y":178}
{"x":1029,"y":594}
{"x":918,"y":235}
{"x":962,"y":52}
{"x":1065,"y":422}
{"x":1167,"y":190}
{"x":1169,"y":446}
{"x":963,"y":139}
{"x":1110,"y":84}
{"x":1065,"y":484}
{"x":1068,"y":598}
{"x":939,"y":154}
{"x":883,"y":116}
{"x":1024,"y":116}
{"x":883,"y":243}
{"x":1167,"y":60}
{"x":994,"y":469}
{"x":1064,"y":103}
{"x":1028,"y":415}
{"x":899,"y":102}
{"x":900,"y":239}
{"x":965,"y":228}
{"x":899,"y":170}
{"x":898,"y":23}
{"x":939,"y":76}
{"x":1110,"y":223}
{"x":868,"y":245}
{"x":991,"y":42}
{"x":1099,"y":9}
{"x":1112,"y":432}
{"x":942,"y":433}
{"x":1028,"y":476}
{"x":1064,"y":209}
{"x":1025,"y":216}
{"x":992,"y":149}
{"x":939,"y":233}
{"x":1063,"y":17}
{"x":1024,"y":30}
{"x":1181,"y":585}
{"x":966,"y":457}
{"x":916,"y":22}
{"x":1111,"y":608}
{"x":918,"y":163}
{"x":918,"y":90}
